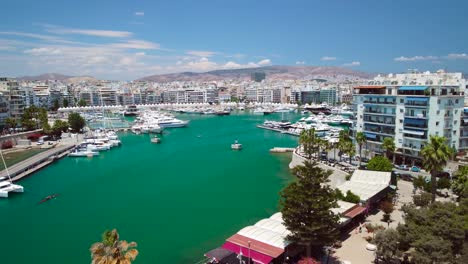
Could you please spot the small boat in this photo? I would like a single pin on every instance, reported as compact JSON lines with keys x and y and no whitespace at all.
{"x":155,"y":140}
{"x":82,"y":153}
{"x":236,"y":146}
{"x":50,"y":197}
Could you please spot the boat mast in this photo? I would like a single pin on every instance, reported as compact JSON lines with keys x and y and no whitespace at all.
{"x":4,"y":164}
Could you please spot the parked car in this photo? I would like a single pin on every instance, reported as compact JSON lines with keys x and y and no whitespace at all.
{"x":415,"y":169}
{"x":402,"y":167}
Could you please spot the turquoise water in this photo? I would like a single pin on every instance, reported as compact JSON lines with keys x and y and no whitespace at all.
{"x":177,"y":199}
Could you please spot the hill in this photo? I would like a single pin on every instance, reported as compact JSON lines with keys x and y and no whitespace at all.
{"x":57,"y":77}
{"x":272,"y":73}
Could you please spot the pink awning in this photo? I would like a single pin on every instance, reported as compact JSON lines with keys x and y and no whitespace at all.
{"x":257,"y":257}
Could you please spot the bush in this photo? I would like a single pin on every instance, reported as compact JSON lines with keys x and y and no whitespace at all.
{"x":443,"y":183}
{"x":422,"y":199}
{"x":380,"y":163}
{"x":7,"y":144}
{"x":387,"y":207}
{"x":348,"y":177}
{"x":350,"y":196}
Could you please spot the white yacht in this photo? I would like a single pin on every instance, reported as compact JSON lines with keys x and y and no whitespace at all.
{"x":7,"y":186}
{"x":236,"y":146}
{"x":83,"y":153}
{"x":171,"y":122}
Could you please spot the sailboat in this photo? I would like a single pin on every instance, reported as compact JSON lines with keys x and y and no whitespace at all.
{"x":6,"y":184}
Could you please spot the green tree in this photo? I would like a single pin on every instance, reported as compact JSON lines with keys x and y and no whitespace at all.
{"x":460,"y":182}
{"x":112,"y":250}
{"x":82,"y":103}
{"x":423,"y":199}
{"x":308,"y":139}
{"x":305,"y":205}
{"x":345,"y":145}
{"x":435,"y":156}
{"x":10,"y":122}
{"x":76,"y":122}
{"x":440,"y":226}
{"x":55,"y":105}
{"x":360,"y":140}
{"x":388,"y":145}
{"x":65,"y":103}
{"x":380,"y":163}
{"x":59,"y":127}
{"x":419,"y":182}
{"x":387,"y":245}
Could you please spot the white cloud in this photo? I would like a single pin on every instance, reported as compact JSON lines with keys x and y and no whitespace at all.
{"x":300,"y":62}
{"x":43,"y":51}
{"x":231,"y":65}
{"x":140,"y":54}
{"x":456,"y":56}
{"x":352,"y":64}
{"x":137,"y":44}
{"x":201,"y":53}
{"x":139,"y":13}
{"x":327,"y":58}
{"x":264,"y":62}
{"x":89,"y":32}
{"x":415,"y":58}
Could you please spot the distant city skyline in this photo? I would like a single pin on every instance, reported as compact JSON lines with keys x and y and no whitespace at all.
{"x":125,"y":40}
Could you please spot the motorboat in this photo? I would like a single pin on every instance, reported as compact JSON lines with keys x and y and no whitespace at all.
{"x":131,"y":110}
{"x":236,"y":146}
{"x":83,"y":153}
{"x":155,"y":140}
{"x":168,"y":122}
{"x":7,"y":186}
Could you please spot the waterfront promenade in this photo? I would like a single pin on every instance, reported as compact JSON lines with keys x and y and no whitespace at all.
{"x":28,"y":166}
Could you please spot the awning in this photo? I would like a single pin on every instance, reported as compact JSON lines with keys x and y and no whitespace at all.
{"x":254,"y":255}
{"x":255,"y":245}
{"x":355,"y":211}
{"x":369,"y":87}
{"x":414,"y":132}
{"x":372,"y":136}
{"x":414,"y":121}
{"x":418,"y":99}
{"x":412,"y":88}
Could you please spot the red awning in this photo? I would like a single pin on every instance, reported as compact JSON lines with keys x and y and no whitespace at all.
{"x":355,"y":211}
{"x":257,"y":257}
{"x":369,"y":87}
{"x":258,"y":246}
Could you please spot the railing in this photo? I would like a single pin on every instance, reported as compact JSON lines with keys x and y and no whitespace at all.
{"x":416,"y":104}
{"x":378,"y":102}
{"x":380,"y":122}
{"x":368,"y":111}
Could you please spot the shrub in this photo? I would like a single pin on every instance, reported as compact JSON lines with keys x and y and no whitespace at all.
{"x":380,"y":163}
{"x":352,"y":198}
{"x":387,"y":207}
{"x":443,"y":183}
{"x":348,"y":177}
{"x":422,"y":199}
{"x":7,"y":144}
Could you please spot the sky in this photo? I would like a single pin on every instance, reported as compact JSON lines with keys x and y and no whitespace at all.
{"x":129,"y":39}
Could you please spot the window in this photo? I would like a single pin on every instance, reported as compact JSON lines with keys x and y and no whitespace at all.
{"x":437,"y":123}
{"x":389,"y":91}
{"x":456,"y":101}
{"x":400,"y":140}
{"x":438,"y":101}
{"x":401,"y":110}
{"x":401,"y":121}
{"x":455,"y":122}
{"x":438,"y":112}
{"x":437,"y":133}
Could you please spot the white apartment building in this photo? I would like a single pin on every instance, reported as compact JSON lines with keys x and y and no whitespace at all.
{"x":409,"y":108}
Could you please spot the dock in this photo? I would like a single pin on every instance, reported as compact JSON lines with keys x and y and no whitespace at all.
{"x":282,"y":131}
{"x":37,"y":162}
{"x":281,"y":150}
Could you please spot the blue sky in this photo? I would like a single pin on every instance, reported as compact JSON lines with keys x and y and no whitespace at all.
{"x":131,"y":39}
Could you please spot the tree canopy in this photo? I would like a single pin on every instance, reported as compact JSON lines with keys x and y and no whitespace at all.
{"x":112,"y":250}
{"x":305,"y":205}
{"x":460,"y":182}
{"x":34,"y":117}
{"x":76,"y":122}
{"x":380,"y":163}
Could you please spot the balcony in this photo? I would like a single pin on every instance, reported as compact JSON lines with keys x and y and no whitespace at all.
{"x":383,"y":102}
{"x":418,"y":115}
{"x":378,"y":112}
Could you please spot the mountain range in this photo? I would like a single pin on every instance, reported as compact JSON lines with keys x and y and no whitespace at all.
{"x":272,"y":73}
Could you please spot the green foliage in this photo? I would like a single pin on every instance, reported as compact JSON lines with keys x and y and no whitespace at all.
{"x":435,"y":156}
{"x":34,"y":117}
{"x":387,"y":245}
{"x":419,"y":182}
{"x":460,"y":182}
{"x":443,"y":183}
{"x":436,"y":232}
{"x":389,"y":145}
{"x":82,"y":103}
{"x":348,"y":177}
{"x":65,"y":103}
{"x":55,"y":105}
{"x":59,"y":127}
{"x":380,"y":163}
{"x":309,"y":142}
{"x":305,"y":205}
{"x":350,"y":197}
{"x":10,"y":122}
{"x":76,"y":122}
{"x":423,"y":199}
{"x":360,"y":139}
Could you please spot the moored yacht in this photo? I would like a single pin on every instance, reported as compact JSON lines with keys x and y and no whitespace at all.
{"x":7,"y":187}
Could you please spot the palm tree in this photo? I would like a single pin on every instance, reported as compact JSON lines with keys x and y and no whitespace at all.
{"x":111,"y":250}
{"x":435,"y":156}
{"x":389,"y":145}
{"x":308,"y":140}
{"x":360,"y":139}
{"x":324,"y":145}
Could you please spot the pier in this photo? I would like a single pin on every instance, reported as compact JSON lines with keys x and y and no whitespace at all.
{"x":30,"y":165}
{"x":282,"y":131}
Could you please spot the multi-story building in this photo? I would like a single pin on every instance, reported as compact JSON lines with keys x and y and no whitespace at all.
{"x":408,"y":108}
{"x":328,"y":96}
{"x":10,"y":89}
{"x":108,"y":96}
{"x":257,"y":76}
{"x":4,"y":109}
